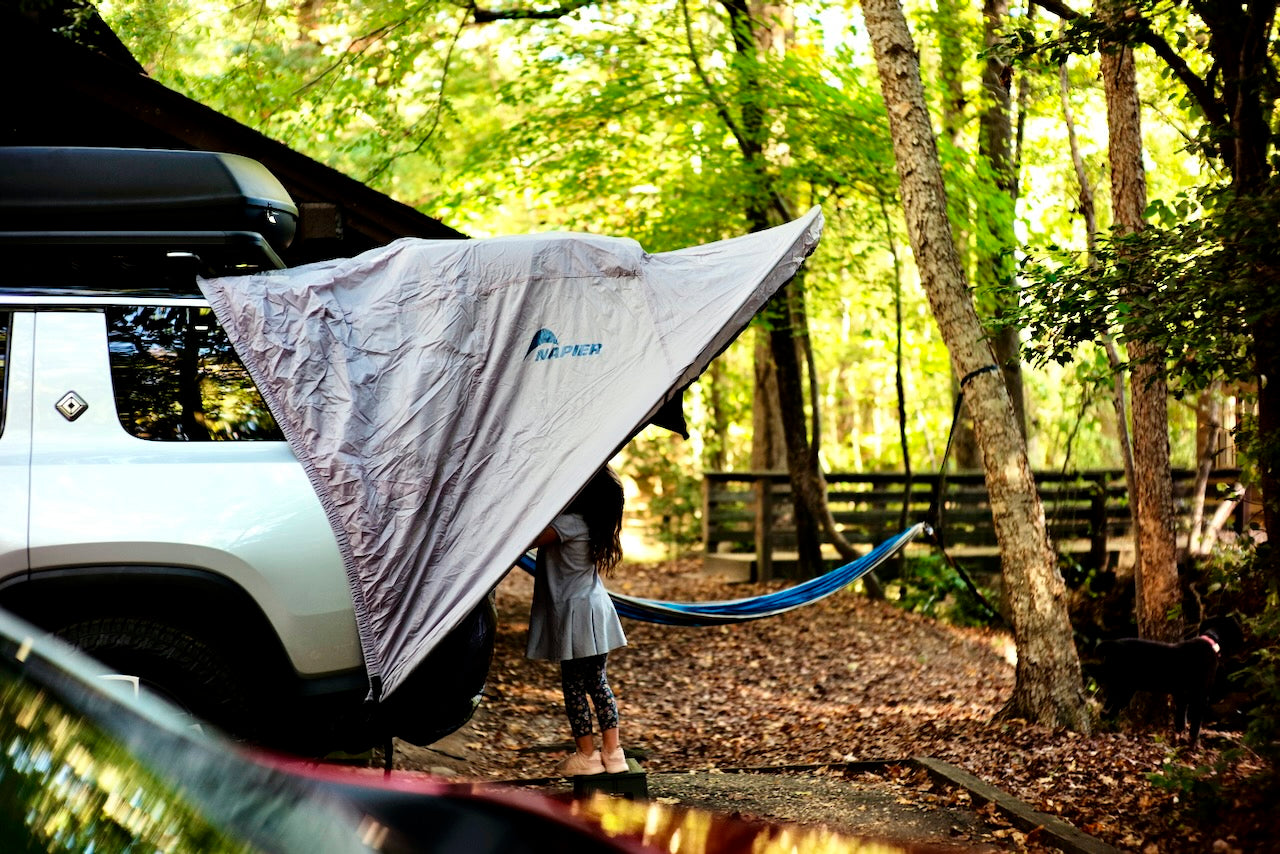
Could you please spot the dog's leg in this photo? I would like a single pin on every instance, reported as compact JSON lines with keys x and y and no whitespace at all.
{"x":1180,"y":717}
{"x":1195,"y":710}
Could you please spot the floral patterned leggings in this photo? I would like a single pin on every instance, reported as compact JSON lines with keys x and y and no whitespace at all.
{"x":580,"y":677}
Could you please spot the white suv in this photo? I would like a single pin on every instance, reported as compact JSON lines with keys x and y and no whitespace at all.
{"x":151,"y":511}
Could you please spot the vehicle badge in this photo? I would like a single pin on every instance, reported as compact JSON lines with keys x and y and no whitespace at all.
{"x":72,"y":406}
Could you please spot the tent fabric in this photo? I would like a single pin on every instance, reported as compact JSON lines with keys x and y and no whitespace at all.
{"x":449,"y":398}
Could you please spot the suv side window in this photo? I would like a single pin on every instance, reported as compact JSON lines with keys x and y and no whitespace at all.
{"x":177,"y":378}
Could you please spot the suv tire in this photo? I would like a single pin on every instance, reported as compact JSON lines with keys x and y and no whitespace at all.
{"x":174,"y":664}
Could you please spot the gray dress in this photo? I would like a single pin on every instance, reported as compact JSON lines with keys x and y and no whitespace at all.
{"x":572,"y":615}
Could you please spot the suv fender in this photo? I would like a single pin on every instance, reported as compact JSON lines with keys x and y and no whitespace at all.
{"x":125,"y":614}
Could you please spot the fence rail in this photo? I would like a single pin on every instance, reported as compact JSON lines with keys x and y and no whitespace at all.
{"x":1087,"y":512}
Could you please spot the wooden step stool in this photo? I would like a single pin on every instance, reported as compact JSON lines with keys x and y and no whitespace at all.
{"x":630,"y":784}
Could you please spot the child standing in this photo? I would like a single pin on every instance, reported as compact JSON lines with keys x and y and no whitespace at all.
{"x":573,"y":620}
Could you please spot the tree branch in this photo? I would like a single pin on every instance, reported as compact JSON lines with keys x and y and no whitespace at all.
{"x":436,"y":114}
{"x":722,"y":109}
{"x":358,"y":47}
{"x":1212,"y":107}
{"x":488,"y":16}
{"x":1143,"y":34}
{"x":1055,"y":7}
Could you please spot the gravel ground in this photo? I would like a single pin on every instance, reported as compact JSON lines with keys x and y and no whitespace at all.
{"x":897,"y":805}
{"x":866,"y":806}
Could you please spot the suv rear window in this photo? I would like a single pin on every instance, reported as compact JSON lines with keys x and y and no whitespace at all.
{"x":177,"y":379}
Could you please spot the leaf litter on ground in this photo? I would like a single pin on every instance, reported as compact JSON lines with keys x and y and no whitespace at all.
{"x":842,"y":680}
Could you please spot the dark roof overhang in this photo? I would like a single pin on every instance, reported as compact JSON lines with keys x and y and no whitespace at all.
{"x":64,"y":93}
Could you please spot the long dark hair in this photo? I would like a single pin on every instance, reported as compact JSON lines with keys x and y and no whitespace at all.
{"x":600,"y":503}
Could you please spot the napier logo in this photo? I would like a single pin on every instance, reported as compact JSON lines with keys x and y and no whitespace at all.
{"x":545,"y":346}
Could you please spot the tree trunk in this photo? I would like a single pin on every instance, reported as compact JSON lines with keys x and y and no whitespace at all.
{"x":899,"y":384}
{"x":952,"y":51}
{"x":1048,"y":687}
{"x":1119,"y":395}
{"x":751,"y":34}
{"x":1158,"y":593}
{"x":1209,"y":445}
{"x":994,"y":262}
{"x":750,"y":130}
{"x":788,"y":337}
{"x":1241,"y":37}
{"x":715,"y":447}
{"x":808,"y":489}
{"x":768,"y":448}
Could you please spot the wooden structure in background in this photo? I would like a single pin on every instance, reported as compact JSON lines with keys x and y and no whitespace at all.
{"x":1087,"y":512}
{"x":92,"y":92}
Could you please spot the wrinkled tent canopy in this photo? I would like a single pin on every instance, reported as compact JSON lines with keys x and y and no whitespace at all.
{"x":449,"y":398}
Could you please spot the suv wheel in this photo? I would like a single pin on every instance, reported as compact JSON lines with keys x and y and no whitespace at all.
{"x":181,"y":668}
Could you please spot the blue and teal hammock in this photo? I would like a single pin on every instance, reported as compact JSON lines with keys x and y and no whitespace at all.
{"x":755,"y":607}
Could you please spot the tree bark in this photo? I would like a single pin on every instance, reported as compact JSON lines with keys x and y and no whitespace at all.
{"x":768,"y":448}
{"x":808,"y":488}
{"x":1119,"y":394}
{"x":952,"y":51}
{"x":751,"y":33}
{"x":1157,"y":590}
{"x":1048,"y":687}
{"x":994,"y":263}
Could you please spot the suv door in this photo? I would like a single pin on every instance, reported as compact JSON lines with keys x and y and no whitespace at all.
{"x":16,"y":365}
{"x":147,"y":494}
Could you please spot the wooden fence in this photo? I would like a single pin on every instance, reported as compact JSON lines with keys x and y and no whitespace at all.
{"x":1087,"y":512}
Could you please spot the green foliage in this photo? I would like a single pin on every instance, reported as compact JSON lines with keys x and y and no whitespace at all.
{"x":1200,"y":788}
{"x":617,"y":118}
{"x":669,"y":489}
{"x":358,"y":85}
{"x":929,"y":586}
{"x":1201,"y":284}
{"x":623,"y":118}
{"x":1206,"y":790}
{"x":1262,"y":679}
{"x":1183,"y":285}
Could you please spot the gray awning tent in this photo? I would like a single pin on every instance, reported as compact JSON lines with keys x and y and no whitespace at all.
{"x":449,"y":398}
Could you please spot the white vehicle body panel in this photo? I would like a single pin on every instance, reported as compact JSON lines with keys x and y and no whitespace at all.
{"x":15,"y":448}
{"x":243,"y":510}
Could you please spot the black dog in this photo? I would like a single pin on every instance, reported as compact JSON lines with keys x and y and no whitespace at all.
{"x":1184,"y":670}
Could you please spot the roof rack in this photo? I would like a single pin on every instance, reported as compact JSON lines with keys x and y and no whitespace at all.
{"x":88,"y":190}
{"x":91,"y":262}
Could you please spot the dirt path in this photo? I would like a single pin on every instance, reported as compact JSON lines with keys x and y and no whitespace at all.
{"x":899,"y":805}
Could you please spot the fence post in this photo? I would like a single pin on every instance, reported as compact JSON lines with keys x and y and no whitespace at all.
{"x":764,"y":529}
{"x":1098,"y":522}
{"x":1102,"y":505}
{"x":708,"y":546}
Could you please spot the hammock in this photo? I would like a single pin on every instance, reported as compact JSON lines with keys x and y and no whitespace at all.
{"x":755,"y":607}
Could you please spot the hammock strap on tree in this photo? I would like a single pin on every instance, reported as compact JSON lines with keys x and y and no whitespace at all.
{"x":756,"y":607}
{"x":936,"y":504}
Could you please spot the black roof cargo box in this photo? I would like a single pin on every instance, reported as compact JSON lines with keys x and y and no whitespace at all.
{"x":100,"y":190}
